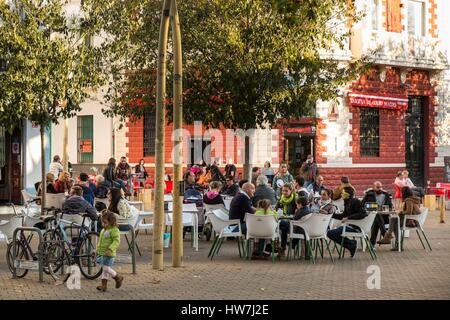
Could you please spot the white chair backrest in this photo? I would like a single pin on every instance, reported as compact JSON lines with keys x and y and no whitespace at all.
{"x":132,"y":220}
{"x":364,"y":224}
{"x":187,"y":219}
{"x":316,"y":225}
{"x":339,"y":204}
{"x":221,"y":214}
{"x":55,"y":200}
{"x":8,"y":228}
{"x":217,"y":221}
{"x":422,"y":216}
{"x":27,"y":196}
{"x":227,"y":203}
{"x":210,"y":207}
{"x":259,"y":226}
{"x":77,"y":218}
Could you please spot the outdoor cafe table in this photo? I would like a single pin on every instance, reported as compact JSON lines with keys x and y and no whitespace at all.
{"x":192,"y":209}
{"x":442,"y":193}
{"x":395,"y":215}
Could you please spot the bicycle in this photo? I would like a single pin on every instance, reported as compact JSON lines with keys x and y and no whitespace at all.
{"x":60,"y":249}
{"x":24,"y":250}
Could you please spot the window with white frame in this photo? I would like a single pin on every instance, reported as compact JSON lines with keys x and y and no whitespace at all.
{"x":416,"y":18}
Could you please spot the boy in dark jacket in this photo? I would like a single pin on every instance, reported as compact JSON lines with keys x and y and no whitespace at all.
{"x":354,"y":210}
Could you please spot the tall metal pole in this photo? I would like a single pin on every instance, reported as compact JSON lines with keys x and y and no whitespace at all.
{"x":177,"y":231}
{"x":159,"y":217}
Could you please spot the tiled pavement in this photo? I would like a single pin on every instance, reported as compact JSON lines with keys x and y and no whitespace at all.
{"x":413,"y":274}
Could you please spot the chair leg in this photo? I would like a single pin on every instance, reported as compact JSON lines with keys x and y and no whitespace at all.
{"x":220,"y":245}
{"x":273,"y":250}
{"x":239,"y":247}
{"x":289,"y":250}
{"x":426,"y":239}
{"x":370,"y":248}
{"x":310,"y":251}
{"x":402,"y":237}
{"x":420,"y":238}
{"x":321,"y":247}
{"x":213,"y":245}
{"x":316,"y":247}
{"x":342,"y":250}
{"x":329,"y":251}
{"x":217,"y":248}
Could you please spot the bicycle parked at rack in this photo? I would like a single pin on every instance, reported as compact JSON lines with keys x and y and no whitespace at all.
{"x":64,"y":250}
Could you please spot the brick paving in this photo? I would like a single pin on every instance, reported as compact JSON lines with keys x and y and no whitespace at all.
{"x":412,"y":274}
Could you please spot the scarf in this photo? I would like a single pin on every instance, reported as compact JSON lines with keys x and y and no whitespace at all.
{"x":285,"y":202}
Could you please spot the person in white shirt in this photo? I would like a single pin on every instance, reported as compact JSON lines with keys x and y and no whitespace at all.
{"x":56,"y":167}
{"x":408,"y":183}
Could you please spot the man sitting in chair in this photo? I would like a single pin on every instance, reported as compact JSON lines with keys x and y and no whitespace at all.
{"x":76,"y":204}
{"x":354,"y":210}
{"x":241,"y":204}
{"x":381,"y":198}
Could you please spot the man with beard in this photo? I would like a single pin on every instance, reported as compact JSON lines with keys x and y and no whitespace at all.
{"x":382,"y":198}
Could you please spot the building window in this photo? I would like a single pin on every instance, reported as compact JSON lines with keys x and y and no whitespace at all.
{"x":416,"y":18}
{"x":393,"y":16}
{"x":149,"y":132}
{"x":85,"y":137}
{"x":369,"y":136}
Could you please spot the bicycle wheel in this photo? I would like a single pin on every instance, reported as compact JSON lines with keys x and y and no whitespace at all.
{"x":21,"y":254}
{"x":87,"y":256}
{"x":51,"y":237}
{"x":55,"y":257}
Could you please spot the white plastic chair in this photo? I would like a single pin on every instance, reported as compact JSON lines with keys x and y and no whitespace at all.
{"x":420,"y":218}
{"x":32,"y":209}
{"x":55,"y":200}
{"x":224,"y":228}
{"x":261,"y":227}
{"x":365,"y":225}
{"x":189,"y":220}
{"x":7,"y":228}
{"x":315,"y":228}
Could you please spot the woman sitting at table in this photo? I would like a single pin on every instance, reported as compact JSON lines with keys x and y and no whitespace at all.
{"x":287,"y":204}
{"x":326,"y":205}
{"x":63,"y":184}
{"x":213,"y":195}
{"x":411,"y":206}
{"x":119,"y":206}
{"x":50,"y":183}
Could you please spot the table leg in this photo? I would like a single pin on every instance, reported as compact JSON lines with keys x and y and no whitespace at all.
{"x":442,"y":208}
{"x":399,"y":234}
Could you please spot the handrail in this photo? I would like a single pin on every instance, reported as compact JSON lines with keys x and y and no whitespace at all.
{"x":40,"y":250}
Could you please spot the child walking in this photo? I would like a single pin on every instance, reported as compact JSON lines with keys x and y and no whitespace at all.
{"x":108,"y":243}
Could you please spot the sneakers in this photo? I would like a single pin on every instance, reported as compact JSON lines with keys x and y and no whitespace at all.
{"x":353,"y":248}
{"x":386,"y":239}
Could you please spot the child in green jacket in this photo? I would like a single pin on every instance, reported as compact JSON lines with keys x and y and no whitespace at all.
{"x":107,"y":246}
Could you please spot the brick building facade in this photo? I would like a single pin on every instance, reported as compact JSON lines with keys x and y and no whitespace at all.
{"x":398,"y":93}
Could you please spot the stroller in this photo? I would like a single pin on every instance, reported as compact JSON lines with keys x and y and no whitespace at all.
{"x":195,"y":196}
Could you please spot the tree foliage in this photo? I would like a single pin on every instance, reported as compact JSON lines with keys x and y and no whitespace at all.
{"x":49,"y":62}
{"x":247,"y":63}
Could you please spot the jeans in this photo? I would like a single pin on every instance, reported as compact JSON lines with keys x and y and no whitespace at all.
{"x":284,"y":229}
{"x":378,"y":225}
{"x":243,"y":228}
{"x":336,"y":236}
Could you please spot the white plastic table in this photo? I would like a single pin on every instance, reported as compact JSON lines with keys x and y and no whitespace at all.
{"x":188,"y":208}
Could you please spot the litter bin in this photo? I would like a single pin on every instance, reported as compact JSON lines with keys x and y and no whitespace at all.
{"x":166,"y":240}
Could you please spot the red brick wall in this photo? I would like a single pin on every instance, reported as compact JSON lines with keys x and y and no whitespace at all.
{"x":360,"y":178}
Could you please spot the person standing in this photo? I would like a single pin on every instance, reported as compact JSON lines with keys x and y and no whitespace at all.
{"x":230,"y":169}
{"x":56,"y":167}
{"x":141,"y":171}
{"x":283,"y":177}
{"x":109,"y":241}
{"x":123,"y":170}
{"x":309,"y":170}
{"x":268,"y":172}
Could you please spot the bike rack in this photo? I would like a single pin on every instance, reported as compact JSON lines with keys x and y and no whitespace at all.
{"x":131,"y":247}
{"x":39,"y":252}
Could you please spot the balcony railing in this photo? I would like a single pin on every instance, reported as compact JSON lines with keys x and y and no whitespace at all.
{"x":399,"y":49}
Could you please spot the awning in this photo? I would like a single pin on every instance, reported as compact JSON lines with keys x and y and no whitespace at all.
{"x":375,"y":101}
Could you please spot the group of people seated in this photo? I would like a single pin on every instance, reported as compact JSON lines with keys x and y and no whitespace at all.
{"x":297,"y":199}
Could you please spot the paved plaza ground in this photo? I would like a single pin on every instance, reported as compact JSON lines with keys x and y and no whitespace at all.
{"x":412,"y":274}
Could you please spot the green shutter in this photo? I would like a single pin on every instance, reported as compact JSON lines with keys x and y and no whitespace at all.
{"x":85,"y":139}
